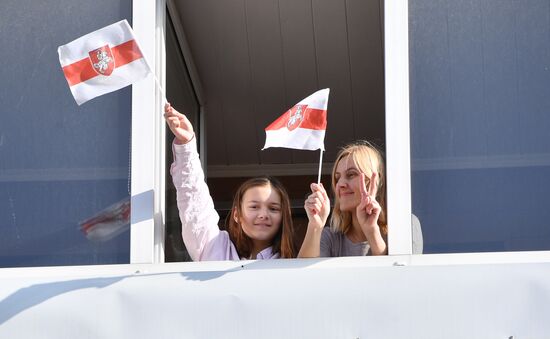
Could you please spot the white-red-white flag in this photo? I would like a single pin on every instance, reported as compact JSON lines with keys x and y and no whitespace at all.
{"x":102,"y":61}
{"x":301,"y":127}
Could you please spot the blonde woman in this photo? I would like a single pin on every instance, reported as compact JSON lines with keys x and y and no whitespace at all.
{"x":358,"y":223}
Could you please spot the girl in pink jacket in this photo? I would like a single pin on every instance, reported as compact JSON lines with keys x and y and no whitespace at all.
{"x":259,"y":225}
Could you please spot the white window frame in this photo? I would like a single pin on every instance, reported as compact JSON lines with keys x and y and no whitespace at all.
{"x":398,"y":151}
{"x":148,"y":135}
{"x":398,"y":163}
{"x":148,"y":182}
{"x":148,"y":132}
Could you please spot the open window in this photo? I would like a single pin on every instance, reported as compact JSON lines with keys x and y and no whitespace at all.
{"x":253,"y":60}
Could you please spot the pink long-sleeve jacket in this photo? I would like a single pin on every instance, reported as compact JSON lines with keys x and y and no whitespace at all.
{"x":199,"y":220}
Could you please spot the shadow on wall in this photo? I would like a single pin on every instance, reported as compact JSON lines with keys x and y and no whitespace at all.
{"x":28,"y":297}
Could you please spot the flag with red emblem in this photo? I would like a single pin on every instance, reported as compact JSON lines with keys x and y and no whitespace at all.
{"x":301,"y":127}
{"x":102,"y":61}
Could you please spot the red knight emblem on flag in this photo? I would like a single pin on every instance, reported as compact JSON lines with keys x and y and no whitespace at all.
{"x":102,"y":60}
{"x":296,"y":117}
{"x":301,"y":127}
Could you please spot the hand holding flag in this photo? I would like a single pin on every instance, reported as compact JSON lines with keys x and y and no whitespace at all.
{"x":317,"y":206}
{"x":178,"y":124}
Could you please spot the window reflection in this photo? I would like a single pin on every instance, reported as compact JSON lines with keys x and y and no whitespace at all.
{"x":479,"y":124}
{"x":60,"y":163}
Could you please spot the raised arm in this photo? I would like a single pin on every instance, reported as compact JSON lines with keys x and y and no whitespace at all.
{"x":196,"y":210}
{"x":317,"y":207}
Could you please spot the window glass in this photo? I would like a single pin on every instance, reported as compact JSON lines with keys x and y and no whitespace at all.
{"x":479,"y":124}
{"x":60,"y":163}
{"x":181,"y":95}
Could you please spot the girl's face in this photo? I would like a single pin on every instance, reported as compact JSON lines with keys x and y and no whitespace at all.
{"x":261,"y":214}
{"x":347,"y":178}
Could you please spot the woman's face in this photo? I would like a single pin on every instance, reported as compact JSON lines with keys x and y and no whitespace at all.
{"x":261,"y":214}
{"x":347,"y":179}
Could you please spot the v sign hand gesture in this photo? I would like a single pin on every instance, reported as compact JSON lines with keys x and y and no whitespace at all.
{"x":179,"y":124}
{"x":368,"y":209}
{"x":368,"y":212}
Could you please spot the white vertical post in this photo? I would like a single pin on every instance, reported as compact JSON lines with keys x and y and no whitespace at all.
{"x":145,"y":138}
{"x":396,"y":45}
{"x":160,"y":132}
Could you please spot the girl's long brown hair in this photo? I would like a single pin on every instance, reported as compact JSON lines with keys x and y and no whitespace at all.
{"x":282,"y":243}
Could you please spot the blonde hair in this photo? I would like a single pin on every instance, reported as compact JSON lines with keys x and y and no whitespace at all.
{"x":368,"y":159}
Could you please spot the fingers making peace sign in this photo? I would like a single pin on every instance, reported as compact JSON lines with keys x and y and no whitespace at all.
{"x":368,"y":209}
{"x":179,"y":124}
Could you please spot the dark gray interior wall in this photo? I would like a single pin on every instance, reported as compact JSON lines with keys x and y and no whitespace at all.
{"x":59,"y":163}
{"x":258,"y":58}
{"x":180,"y":93}
{"x":480,"y":78}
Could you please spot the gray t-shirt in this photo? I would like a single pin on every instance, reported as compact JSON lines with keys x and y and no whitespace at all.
{"x":336,"y":244}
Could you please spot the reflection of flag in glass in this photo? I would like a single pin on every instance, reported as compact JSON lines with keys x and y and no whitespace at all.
{"x":109,"y":222}
{"x":102,"y":61}
{"x":301,"y":127}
